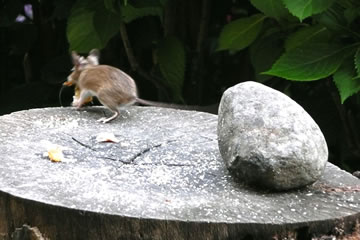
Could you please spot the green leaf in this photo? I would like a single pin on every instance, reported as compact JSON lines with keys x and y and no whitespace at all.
{"x":106,"y":25}
{"x":171,"y":60}
{"x":272,"y":8}
{"x":345,"y":80}
{"x":351,"y":14}
{"x":91,"y":25}
{"x":240,"y":33}
{"x":163,"y":2}
{"x":306,"y":8}
{"x":131,"y":13}
{"x":334,"y":19}
{"x":311,"y":34}
{"x":357,"y":61}
{"x":80,"y":29}
{"x":310,"y":62}
{"x":264,"y":52}
{"x":145,"y":3}
{"x":110,"y":5}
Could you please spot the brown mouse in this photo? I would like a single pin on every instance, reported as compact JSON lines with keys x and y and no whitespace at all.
{"x":112,"y":87}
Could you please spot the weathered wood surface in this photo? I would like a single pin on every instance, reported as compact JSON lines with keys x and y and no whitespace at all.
{"x":165,"y":179}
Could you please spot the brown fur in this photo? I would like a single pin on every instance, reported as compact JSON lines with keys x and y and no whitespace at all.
{"x":110,"y":85}
{"x":108,"y":81}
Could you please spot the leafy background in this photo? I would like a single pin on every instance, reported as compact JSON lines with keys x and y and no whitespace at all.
{"x":189,"y":52}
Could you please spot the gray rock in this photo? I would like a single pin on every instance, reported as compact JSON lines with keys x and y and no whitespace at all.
{"x":267,"y":139}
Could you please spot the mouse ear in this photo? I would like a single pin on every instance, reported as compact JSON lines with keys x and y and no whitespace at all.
{"x":75,"y":58}
{"x":93,"y":57}
{"x":95,"y":52}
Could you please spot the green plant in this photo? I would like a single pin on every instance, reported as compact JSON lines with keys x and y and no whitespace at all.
{"x":93,"y":23}
{"x":305,"y":41}
{"x":316,"y":39}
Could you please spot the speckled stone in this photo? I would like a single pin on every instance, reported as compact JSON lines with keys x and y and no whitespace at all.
{"x":268,"y":140}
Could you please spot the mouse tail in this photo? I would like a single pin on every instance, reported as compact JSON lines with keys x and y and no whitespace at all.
{"x":163,"y":105}
{"x":210,"y":109}
{"x":60,"y":93}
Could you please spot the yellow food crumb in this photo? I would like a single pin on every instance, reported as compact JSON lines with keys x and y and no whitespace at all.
{"x":55,"y":154}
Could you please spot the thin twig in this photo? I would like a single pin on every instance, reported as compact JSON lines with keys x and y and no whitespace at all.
{"x":204,"y":23}
{"x":198,"y":61}
{"x":350,"y":131}
{"x":129,"y":51}
{"x":169,"y":16}
{"x":354,"y":131}
{"x":132,"y":59}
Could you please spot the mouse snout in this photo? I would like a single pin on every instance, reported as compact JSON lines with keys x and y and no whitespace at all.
{"x":70,"y":80}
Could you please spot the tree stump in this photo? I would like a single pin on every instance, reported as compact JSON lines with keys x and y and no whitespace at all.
{"x":163,"y":179}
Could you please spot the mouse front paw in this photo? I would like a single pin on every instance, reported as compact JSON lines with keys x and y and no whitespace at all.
{"x":76,"y":103}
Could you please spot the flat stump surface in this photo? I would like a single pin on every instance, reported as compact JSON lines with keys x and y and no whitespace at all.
{"x":166,"y":168}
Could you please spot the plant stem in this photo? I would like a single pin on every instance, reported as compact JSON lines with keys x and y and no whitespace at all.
{"x":133,"y":61}
{"x":351,"y":136}
{"x":129,"y":51}
{"x":169,"y":19}
{"x":204,"y":23}
{"x":198,"y":60}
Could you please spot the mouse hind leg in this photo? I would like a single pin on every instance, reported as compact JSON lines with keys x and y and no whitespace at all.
{"x":113,"y":107}
{"x":107,"y":99}
{"x":115,"y":115}
{"x":115,"y":111}
{"x":106,"y":120}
